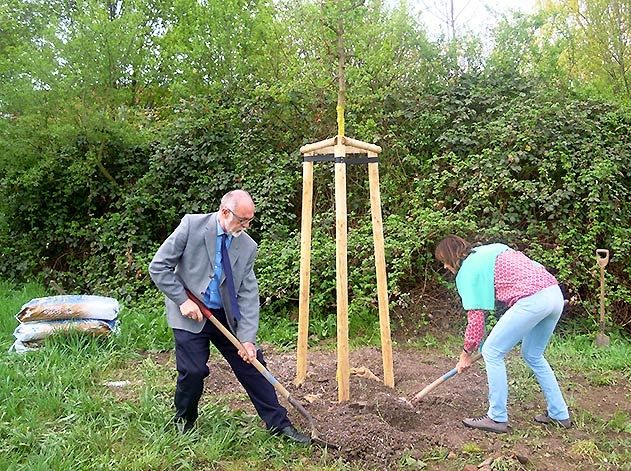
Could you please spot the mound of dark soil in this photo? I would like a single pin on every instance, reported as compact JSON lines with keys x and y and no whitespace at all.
{"x":378,"y":428}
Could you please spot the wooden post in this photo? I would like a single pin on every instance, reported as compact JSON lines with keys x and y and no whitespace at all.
{"x":341,"y":230}
{"x":380,"y":267}
{"x":341,"y":245}
{"x":305,"y":272}
{"x":362,"y":145}
{"x":312,"y":148}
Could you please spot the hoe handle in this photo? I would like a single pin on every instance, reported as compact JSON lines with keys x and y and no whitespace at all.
{"x":450,"y":374}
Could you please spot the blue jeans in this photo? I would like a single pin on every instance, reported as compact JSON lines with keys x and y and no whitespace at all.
{"x":530,"y":320}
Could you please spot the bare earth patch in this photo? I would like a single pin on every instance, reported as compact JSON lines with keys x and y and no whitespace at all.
{"x":379,"y":429}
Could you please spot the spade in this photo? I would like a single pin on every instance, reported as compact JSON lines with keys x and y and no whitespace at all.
{"x":602,"y":257}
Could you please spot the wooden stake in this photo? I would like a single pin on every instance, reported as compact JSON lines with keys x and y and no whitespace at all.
{"x":311,"y":148}
{"x":343,"y":364}
{"x":361,"y":146}
{"x":341,"y":146}
{"x":341,"y":262}
{"x":380,"y":267}
{"x":305,"y":272}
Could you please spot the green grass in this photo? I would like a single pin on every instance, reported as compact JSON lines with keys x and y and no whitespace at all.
{"x":144,"y":327}
{"x":58,"y":414}
{"x":12,"y":300}
{"x":579,"y":352}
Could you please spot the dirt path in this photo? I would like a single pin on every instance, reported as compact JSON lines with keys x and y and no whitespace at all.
{"x":378,"y":429}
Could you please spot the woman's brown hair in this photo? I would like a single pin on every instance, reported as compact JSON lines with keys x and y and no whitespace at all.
{"x":452,"y":250}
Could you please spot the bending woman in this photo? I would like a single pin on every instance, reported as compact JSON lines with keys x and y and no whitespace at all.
{"x":496,"y":272}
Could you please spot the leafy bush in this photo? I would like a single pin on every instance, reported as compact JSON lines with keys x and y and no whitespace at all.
{"x":542,"y":171}
{"x":491,"y":153}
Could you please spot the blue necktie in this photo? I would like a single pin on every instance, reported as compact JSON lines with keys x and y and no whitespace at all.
{"x":227,"y":270}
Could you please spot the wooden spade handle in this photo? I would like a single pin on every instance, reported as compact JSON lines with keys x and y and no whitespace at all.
{"x":602,"y":257}
{"x":207,"y":313}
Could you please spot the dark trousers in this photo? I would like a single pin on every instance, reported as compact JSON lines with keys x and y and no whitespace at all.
{"x":191,"y":354}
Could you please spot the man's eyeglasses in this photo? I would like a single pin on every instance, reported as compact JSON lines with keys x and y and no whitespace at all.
{"x":240,"y":219}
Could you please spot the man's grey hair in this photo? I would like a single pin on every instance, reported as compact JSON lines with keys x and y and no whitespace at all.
{"x":229,"y":200}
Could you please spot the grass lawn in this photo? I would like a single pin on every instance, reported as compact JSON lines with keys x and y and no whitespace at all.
{"x":58,"y":412}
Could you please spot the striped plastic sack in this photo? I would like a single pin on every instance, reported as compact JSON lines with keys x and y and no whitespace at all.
{"x":53,"y":308}
{"x":29,"y":334}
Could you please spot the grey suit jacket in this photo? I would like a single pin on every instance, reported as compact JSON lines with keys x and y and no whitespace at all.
{"x":187,"y":259}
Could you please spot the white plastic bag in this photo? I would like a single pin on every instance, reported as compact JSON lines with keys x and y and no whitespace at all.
{"x":29,"y":331}
{"x":43,"y":317}
{"x":69,"y":307}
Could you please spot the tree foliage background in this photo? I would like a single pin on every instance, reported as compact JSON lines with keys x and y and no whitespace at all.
{"x":119,"y":116}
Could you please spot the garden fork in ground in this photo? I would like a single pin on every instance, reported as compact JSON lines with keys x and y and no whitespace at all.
{"x":602,"y":257}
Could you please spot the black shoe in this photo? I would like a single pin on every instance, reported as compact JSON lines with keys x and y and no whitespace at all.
{"x":294,"y":435}
{"x":183,"y":426}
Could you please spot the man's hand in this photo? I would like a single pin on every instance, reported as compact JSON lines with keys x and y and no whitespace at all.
{"x":464,"y":363}
{"x":250,"y":352}
{"x":189,"y":309}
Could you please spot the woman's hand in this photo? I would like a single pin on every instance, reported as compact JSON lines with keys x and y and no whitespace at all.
{"x":465,"y":362}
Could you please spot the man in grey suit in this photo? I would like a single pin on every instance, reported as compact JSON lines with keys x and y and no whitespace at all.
{"x":200,"y":255}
